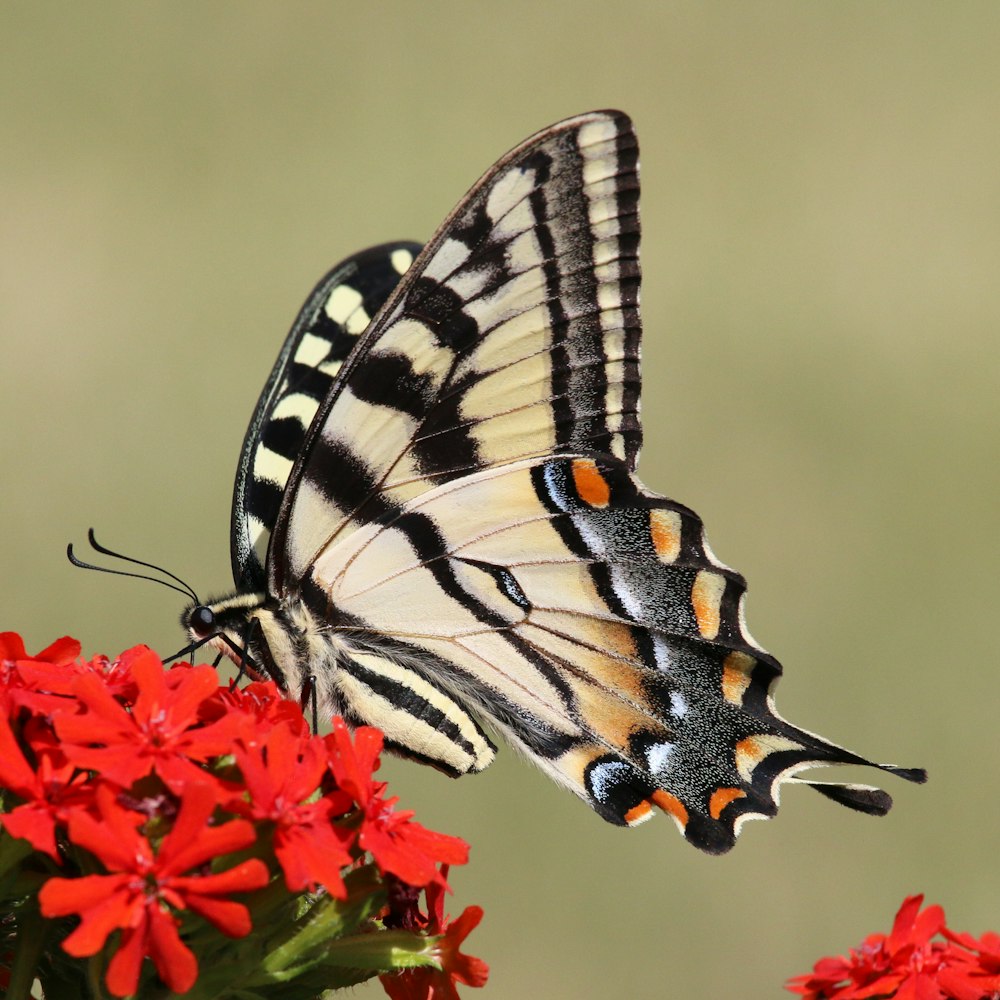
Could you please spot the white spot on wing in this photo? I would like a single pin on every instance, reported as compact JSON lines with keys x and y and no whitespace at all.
{"x":259,"y":536}
{"x":604,"y":776}
{"x":658,"y":758}
{"x":357,"y":322}
{"x":743,"y":626}
{"x":271,"y":466}
{"x":448,"y":258}
{"x":662,"y":653}
{"x":509,"y":190}
{"x":342,"y":302}
{"x":596,"y":133}
{"x":556,"y":492}
{"x":467,"y":283}
{"x":401,"y":260}
{"x":311,"y":350}
{"x":678,"y":704}
{"x":299,"y":406}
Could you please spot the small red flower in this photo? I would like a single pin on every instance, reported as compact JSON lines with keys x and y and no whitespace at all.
{"x":162,"y":732}
{"x":399,"y":846}
{"x":354,"y":762}
{"x":62,"y":651}
{"x":908,"y":964}
{"x":20,"y":674}
{"x":404,"y":848}
{"x":974,"y":969}
{"x":147,"y":885}
{"x":50,"y":791}
{"x":426,"y":982}
{"x":261,"y":702}
{"x":282,"y":771}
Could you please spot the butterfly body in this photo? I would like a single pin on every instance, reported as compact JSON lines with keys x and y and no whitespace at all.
{"x":449,"y":530}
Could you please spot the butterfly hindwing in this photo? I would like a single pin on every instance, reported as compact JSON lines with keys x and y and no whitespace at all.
{"x":326,"y":330}
{"x":588,"y":620}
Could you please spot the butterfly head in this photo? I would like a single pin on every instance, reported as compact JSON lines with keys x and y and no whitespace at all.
{"x":246,"y":630}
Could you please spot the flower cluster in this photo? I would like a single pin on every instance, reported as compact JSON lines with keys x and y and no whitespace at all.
{"x":151,"y":813}
{"x":920,"y":959}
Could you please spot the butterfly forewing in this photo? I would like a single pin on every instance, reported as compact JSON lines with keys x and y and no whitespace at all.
{"x":326,"y":330}
{"x":515,"y":333}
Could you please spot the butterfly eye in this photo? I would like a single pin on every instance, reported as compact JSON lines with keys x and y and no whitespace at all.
{"x":202,"y":620}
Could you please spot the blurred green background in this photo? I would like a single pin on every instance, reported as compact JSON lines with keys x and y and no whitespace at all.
{"x":821,"y":215}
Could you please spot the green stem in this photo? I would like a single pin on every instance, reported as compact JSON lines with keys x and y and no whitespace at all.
{"x":27,"y":949}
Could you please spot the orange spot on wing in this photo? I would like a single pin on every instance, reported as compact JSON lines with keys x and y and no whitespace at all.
{"x":749,"y":753}
{"x":590,"y":484}
{"x":638,"y":813}
{"x":736,"y":670}
{"x":721,"y":798}
{"x":665,"y":530}
{"x":671,"y":804}
{"x":706,"y":596}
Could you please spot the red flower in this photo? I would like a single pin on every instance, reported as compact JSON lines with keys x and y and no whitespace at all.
{"x":908,"y":964}
{"x":49,"y":791}
{"x":148,"y":884}
{"x":62,"y":651}
{"x":406,"y":849}
{"x":282,"y":771}
{"x":261,"y":702}
{"x":162,"y":732}
{"x":19,"y":672}
{"x":399,"y":846}
{"x":425,"y":982}
{"x":354,"y":763}
{"x":155,"y":778}
{"x":974,"y":969}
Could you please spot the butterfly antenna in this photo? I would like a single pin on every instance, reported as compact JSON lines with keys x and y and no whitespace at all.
{"x":184,"y":588}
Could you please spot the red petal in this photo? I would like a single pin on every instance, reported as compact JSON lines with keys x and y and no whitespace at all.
{"x":113,"y":838}
{"x":12,"y":647}
{"x":244,"y":877}
{"x":61,"y":896}
{"x":175,"y":963}
{"x":233,"y":919}
{"x":353,"y":764}
{"x":195,"y":686}
{"x":123,"y":969}
{"x":115,"y":907}
{"x":35,"y":824}
{"x":62,"y":651}
{"x":903,"y":923}
{"x":927,"y":924}
{"x":465,"y":968}
{"x":210,"y":842}
{"x":15,"y":772}
{"x":311,"y":855}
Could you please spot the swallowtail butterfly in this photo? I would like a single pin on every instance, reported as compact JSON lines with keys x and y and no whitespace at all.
{"x":437,"y":526}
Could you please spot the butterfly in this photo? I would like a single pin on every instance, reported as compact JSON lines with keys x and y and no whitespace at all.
{"x":437,"y":527}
